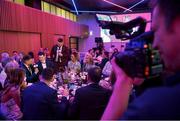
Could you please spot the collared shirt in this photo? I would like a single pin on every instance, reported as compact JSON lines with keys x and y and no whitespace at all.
{"x":2,"y":77}
{"x":44,"y":65}
{"x":107,"y":69}
{"x":28,"y":67}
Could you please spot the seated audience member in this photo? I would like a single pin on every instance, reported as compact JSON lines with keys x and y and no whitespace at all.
{"x":16,"y":56}
{"x":10,"y":98}
{"x":107,"y":70}
{"x":87,"y":62}
{"x":47,"y":53}
{"x":3,"y":74}
{"x":98,"y":56}
{"x":4,"y":55}
{"x":104,"y":60}
{"x":31,"y":72}
{"x":73,"y":50}
{"x":40,"y":101}
{"x":21,"y":55}
{"x":92,"y":52}
{"x":90,"y":101}
{"x":160,"y":103}
{"x":43,"y":62}
{"x":74,"y":65}
{"x":8,"y":68}
{"x":113,"y":52}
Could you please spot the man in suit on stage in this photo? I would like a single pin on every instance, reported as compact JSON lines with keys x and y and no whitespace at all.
{"x":60,"y":55}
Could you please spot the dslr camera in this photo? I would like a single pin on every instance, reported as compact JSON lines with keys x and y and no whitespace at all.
{"x":139,"y":58}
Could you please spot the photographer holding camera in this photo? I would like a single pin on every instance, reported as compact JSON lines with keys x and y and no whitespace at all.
{"x":156,"y":103}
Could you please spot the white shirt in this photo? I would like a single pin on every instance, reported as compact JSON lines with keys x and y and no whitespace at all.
{"x":44,"y":65}
{"x":2,"y":77}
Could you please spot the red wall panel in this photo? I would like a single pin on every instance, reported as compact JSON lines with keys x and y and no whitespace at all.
{"x":24,"y":23}
{"x":22,"y":42}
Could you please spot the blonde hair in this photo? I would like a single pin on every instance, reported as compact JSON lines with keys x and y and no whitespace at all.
{"x":88,"y":56}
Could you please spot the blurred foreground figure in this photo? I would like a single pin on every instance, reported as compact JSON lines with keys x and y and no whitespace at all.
{"x":40,"y":101}
{"x":156,"y":103}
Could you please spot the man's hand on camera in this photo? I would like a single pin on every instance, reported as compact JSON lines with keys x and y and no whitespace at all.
{"x":121,"y":77}
{"x":120,"y":96}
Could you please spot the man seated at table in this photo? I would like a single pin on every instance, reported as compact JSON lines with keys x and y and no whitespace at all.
{"x":43,"y":62}
{"x":40,"y":102}
{"x":90,"y":101}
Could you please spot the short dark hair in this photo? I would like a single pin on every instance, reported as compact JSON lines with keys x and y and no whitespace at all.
{"x":75,"y":55}
{"x":95,"y":73}
{"x":26,"y":58}
{"x":106,"y":54}
{"x":41,"y":53}
{"x":47,"y":74}
{"x":169,"y":8}
{"x":60,"y":40}
{"x":31,"y":54}
{"x":15,"y":51}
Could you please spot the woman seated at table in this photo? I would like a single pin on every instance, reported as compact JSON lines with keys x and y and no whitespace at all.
{"x":87,"y":62}
{"x":74,"y":65}
{"x":10,"y":98}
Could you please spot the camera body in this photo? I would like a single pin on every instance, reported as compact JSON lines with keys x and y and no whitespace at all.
{"x":139,"y":58}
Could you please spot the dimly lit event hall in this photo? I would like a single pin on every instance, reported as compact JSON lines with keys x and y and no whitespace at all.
{"x":89,"y":60}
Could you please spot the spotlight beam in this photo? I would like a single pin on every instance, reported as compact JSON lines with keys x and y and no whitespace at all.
{"x":117,"y":5}
{"x":75,"y":7}
{"x":134,"y":5}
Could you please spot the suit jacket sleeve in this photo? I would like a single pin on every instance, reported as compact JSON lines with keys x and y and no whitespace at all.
{"x":59,"y":109}
{"x":53,"y":52}
{"x":142,"y":107}
{"x":32,"y":78}
{"x":66,"y":54}
{"x":74,"y":109}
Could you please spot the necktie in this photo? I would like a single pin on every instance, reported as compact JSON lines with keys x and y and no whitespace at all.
{"x":29,"y":68}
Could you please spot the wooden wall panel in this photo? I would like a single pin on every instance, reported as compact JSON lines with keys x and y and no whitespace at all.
{"x":17,"y":20}
{"x":22,"y":42}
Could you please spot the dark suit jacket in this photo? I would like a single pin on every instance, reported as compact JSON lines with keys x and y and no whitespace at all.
{"x":49,"y":64}
{"x":64,"y":58}
{"x":89,"y":102}
{"x":162,"y":103}
{"x":40,"y":102}
{"x":103,"y":63}
{"x":31,"y":78}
